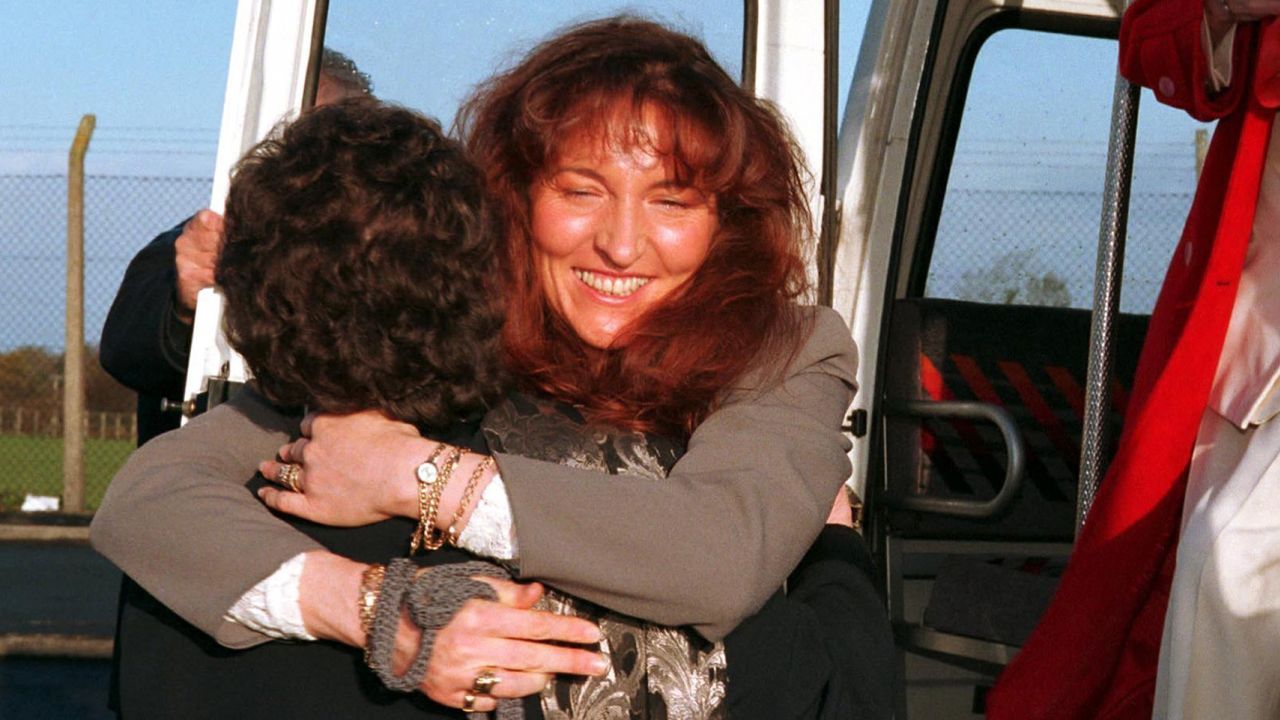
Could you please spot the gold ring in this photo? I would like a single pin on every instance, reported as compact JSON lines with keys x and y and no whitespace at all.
{"x":485,"y":682}
{"x":468,"y":702}
{"x":288,"y":476}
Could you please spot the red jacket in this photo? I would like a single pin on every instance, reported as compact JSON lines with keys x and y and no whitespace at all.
{"x":1094,"y":652}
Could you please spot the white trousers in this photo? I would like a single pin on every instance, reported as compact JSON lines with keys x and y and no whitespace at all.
{"x":1220,"y":653}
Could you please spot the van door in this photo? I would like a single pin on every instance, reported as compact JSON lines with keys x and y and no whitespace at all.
{"x":973,"y":155}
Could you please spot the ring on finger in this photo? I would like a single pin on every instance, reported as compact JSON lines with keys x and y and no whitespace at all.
{"x":468,"y":702}
{"x":485,"y":681}
{"x":288,"y":476}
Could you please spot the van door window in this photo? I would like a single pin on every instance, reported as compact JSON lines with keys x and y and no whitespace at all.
{"x":1007,"y":266}
{"x":1019,"y":219}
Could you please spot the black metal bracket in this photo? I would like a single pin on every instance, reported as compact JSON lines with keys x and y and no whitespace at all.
{"x":856,"y":423}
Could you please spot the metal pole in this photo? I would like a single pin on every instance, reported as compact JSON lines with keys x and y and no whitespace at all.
{"x":73,"y":358}
{"x":1095,"y":439}
{"x":750,"y":43}
{"x":830,"y":221}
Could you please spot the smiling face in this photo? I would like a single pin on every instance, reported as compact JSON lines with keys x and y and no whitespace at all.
{"x":614,"y":232}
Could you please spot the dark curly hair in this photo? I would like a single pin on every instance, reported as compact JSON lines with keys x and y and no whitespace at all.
{"x":359,"y":267}
{"x":602,"y":78}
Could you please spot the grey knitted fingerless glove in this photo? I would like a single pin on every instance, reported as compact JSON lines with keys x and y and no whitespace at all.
{"x":432,"y":599}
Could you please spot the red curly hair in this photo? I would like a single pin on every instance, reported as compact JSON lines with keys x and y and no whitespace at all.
{"x":668,"y":366}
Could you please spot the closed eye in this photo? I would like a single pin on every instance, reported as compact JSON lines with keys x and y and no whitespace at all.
{"x":680,"y":197}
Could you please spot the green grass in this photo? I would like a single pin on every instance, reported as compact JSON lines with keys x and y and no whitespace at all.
{"x":34,"y":465}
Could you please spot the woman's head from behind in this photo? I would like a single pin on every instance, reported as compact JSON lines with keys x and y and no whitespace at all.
{"x":655,"y":215}
{"x":358,"y":266}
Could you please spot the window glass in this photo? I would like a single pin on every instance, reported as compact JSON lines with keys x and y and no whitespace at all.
{"x":1020,"y":218}
{"x":853,"y":21}
{"x":428,"y":56}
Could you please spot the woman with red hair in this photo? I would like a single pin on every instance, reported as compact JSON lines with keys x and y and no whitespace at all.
{"x":654,"y":219}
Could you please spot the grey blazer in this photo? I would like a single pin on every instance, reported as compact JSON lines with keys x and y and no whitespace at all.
{"x":705,"y":548}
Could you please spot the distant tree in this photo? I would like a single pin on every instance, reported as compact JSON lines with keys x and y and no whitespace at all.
{"x":1013,"y":280}
{"x":31,"y":377}
{"x":102,"y":392}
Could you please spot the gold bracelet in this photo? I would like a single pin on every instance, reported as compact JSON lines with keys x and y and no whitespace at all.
{"x":370,"y":589}
{"x":432,"y":538}
{"x":470,"y":490}
{"x":427,"y":475}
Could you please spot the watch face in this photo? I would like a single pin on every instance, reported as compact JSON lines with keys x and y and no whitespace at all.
{"x":427,"y":472}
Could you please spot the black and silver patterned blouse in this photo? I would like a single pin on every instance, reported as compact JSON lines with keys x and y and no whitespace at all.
{"x":657,"y":672}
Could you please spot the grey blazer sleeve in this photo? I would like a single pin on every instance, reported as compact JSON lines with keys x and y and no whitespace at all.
{"x":709,"y":545}
{"x":704,"y":548}
{"x":179,"y":520}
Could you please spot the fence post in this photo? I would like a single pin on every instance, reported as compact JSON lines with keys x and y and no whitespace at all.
{"x":73,"y":359}
{"x":1202,"y":151}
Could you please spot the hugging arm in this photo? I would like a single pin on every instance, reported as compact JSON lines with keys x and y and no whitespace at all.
{"x":179,"y":520}
{"x":705,"y":548}
{"x":835,"y":585}
{"x":826,"y":642}
{"x":710,"y":544}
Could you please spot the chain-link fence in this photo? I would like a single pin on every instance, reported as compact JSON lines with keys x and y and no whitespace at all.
{"x":122,"y":213}
{"x":1029,"y":247}
{"x":1039,"y":247}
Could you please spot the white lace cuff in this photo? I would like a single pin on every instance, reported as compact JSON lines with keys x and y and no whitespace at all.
{"x":271,"y":607}
{"x":491,"y":531}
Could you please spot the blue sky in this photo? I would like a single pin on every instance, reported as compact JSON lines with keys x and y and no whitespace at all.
{"x":159,"y":64}
{"x":154,"y":73}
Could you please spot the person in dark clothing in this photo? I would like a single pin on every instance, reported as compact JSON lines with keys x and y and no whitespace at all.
{"x":359,"y":227}
{"x":146,"y":339}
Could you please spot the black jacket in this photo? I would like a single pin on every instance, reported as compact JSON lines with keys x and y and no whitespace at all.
{"x":144,"y":344}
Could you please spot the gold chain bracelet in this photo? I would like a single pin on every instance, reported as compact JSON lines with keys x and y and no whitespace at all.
{"x":428,"y":477}
{"x":432,"y":538}
{"x":467,"y":492}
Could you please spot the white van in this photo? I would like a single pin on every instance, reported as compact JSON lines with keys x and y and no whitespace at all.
{"x":973,"y":234}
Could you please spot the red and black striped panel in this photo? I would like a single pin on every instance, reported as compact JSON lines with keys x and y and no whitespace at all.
{"x":1029,"y":360}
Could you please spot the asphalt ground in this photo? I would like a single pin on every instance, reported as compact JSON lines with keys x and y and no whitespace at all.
{"x":52,"y":592}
